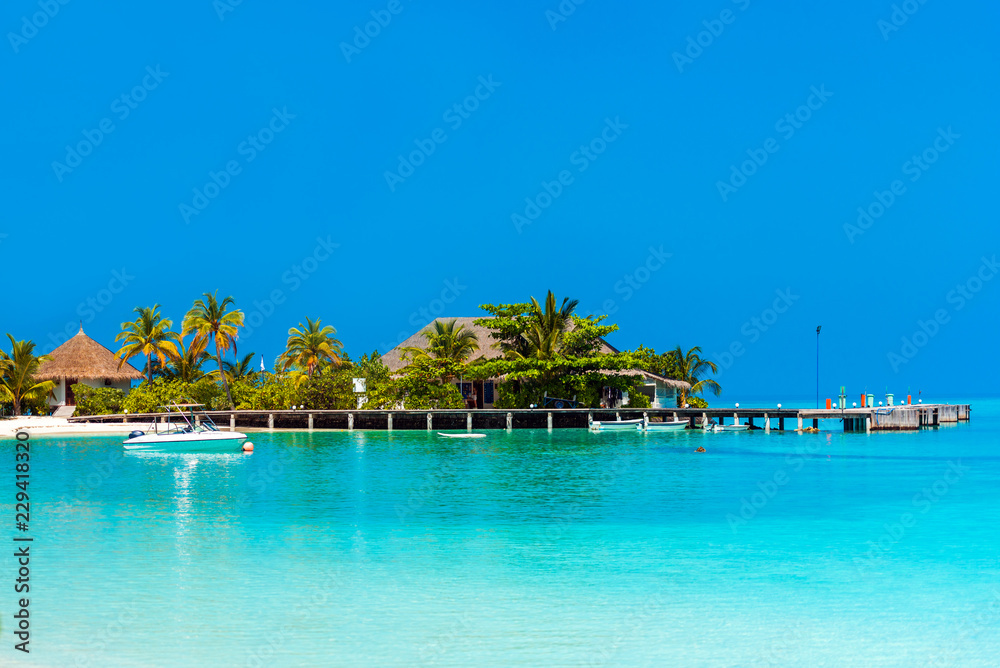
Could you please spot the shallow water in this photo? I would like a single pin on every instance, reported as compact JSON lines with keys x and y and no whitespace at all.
{"x":524,"y":548}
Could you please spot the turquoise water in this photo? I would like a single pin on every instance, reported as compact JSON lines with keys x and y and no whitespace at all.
{"x":528,"y":548}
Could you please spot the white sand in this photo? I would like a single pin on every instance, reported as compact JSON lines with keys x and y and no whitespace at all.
{"x":51,"y":426}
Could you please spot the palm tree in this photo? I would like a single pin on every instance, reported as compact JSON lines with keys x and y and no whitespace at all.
{"x":147,"y":335}
{"x":310,"y":347}
{"x":17,"y":374}
{"x":241,"y":370}
{"x":444,"y":341}
{"x":544,"y":336}
{"x":691,"y":368}
{"x":187,"y":365}
{"x":209,"y":319}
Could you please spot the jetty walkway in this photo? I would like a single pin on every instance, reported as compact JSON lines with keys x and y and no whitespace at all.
{"x":902,"y":417}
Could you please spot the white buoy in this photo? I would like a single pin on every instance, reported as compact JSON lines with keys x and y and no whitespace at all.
{"x":248,"y":447}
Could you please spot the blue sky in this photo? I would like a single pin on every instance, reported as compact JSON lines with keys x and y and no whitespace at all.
{"x":153,"y":153}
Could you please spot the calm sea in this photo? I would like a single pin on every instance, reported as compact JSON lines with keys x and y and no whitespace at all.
{"x":526,"y":548}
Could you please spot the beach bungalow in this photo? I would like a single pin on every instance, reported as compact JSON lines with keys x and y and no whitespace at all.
{"x":84,"y":360}
{"x":661,"y":391}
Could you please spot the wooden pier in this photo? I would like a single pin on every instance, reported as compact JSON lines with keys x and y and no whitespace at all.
{"x":882,"y":418}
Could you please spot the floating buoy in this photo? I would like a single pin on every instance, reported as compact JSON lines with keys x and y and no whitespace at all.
{"x":700,"y":449}
{"x":248,"y":447}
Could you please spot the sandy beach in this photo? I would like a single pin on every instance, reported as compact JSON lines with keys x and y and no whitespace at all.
{"x":52,"y":426}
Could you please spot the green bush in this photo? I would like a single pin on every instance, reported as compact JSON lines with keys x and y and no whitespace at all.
{"x":150,"y":397}
{"x":97,"y":400}
{"x":697,"y":402}
{"x":637,"y":399}
{"x":270,"y":392}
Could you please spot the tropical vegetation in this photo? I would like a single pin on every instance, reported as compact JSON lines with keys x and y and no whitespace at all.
{"x":541,"y":348}
{"x":148,"y":335}
{"x":212,"y":321}
{"x":18,"y":384}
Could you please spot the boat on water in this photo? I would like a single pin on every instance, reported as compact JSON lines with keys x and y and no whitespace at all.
{"x":727,"y":427}
{"x":666,"y":425}
{"x":441,"y":433}
{"x":187,"y":428}
{"x":617,"y":425}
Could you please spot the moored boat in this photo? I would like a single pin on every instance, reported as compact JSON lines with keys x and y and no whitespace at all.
{"x":193,"y":431}
{"x":666,"y":425}
{"x":616,"y":425}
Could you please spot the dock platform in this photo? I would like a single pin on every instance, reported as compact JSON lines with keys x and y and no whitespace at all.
{"x":882,"y":418}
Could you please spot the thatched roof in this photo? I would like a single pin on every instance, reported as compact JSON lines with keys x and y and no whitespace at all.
{"x":393,"y":359}
{"x":82,"y":357}
{"x":649,"y":375}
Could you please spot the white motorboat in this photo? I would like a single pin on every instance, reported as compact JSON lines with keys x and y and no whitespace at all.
{"x":666,"y":425}
{"x":441,"y":433}
{"x":728,"y":427}
{"x":617,"y":425}
{"x":190,"y":431}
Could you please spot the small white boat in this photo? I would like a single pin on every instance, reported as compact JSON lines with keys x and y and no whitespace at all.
{"x":441,"y":433}
{"x":728,"y":427}
{"x":666,"y":425}
{"x":618,"y":425}
{"x":191,"y":432}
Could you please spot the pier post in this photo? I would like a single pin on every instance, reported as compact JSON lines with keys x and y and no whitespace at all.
{"x":468,"y":421}
{"x":197,"y":420}
{"x":270,"y":420}
{"x":310,"y":422}
{"x":390,"y":422}
{"x":618,"y":416}
{"x":704,"y":419}
{"x":350,"y":422}
{"x":510,"y":421}
{"x":800,"y":422}
{"x":550,"y":421}
{"x":675,"y":416}
{"x":750,"y":422}
{"x":781,"y":424}
{"x":767,"y":424}
{"x":232,"y":421}
{"x":815,"y":423}
{"x":868,"y":424}
{"x":430,"y":422}
{"x":590,"y":420}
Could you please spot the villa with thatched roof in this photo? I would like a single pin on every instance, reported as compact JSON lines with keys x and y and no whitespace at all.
{"x":661,"y":391}
{"x":84,"y":360}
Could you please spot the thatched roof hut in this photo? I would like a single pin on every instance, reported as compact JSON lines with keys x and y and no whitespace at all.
{"x":394,"y":358}
{"x":82,"y":358}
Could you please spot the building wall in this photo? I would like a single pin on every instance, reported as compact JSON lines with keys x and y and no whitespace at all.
{"x":60,"y":389}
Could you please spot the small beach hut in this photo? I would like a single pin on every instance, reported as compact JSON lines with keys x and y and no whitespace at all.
{"x":84,"y":360}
